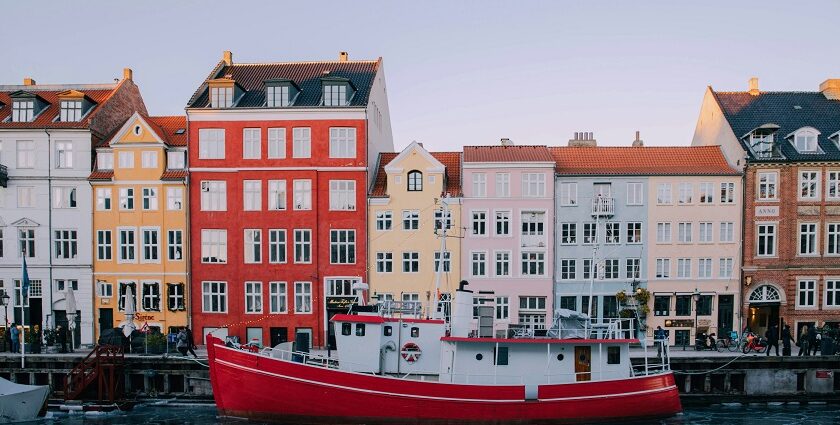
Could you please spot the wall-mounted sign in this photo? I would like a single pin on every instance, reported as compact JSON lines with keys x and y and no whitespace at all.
{"x":823,"y":374}
{"x":141,"y":317}
{"x":679,"y":323}
{"x":767,"y":211}
{"x":341,"y":302}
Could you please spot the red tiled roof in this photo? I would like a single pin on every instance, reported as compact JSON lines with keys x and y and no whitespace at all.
{"x":510,"y":153}
{"x":165,"y":127}
{"x":101,"y":175}
{"x":451,"y":160}
{"x":654,"y":160}
{"x":47,"y":117}
{"x":173,"y":175}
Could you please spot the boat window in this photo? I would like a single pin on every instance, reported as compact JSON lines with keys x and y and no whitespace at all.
{"x":501,"y":356}
{"x":479,"y":356}
{"x":613,"y":355}
{"x":360,"y":329}
{"x":560,"y":357}
{"x":415,"y":332}
{"x":345,"y":328}
{"x":388,"y":330}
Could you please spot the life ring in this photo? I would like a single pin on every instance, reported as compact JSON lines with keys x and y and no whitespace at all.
{"x":410,"y":352}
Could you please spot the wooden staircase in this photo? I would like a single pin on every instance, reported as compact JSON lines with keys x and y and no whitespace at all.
{"x":104,"y":366}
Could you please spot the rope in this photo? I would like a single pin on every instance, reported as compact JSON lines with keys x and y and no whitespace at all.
{"x":676,"y":372}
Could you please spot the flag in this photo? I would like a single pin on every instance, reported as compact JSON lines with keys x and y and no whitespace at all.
{"x":24,"y":285}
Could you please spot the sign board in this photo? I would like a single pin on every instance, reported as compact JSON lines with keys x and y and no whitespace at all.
{"x":676,"y":323}
{"x":341,"y":302}
{"x":143,"y":317}
{"x":767,"y":211}
{"x":823,"y":374}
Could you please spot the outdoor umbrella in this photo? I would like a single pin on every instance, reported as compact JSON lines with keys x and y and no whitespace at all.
{"x":128,"y":301}
{"x":70,"y":300}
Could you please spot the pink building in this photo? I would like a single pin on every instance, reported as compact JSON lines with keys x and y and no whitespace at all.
{"x":508,"y":215}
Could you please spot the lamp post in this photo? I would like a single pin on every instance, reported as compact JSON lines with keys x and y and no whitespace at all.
{"x":696,"y":296}
{"x":4,"y":301}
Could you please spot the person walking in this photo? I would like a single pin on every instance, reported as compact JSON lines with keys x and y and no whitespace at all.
{"x":786,"y":338}
{"x":803,"y":342}
{"x":14,"y":333}
{"x":812,"y":339}
{"x":62,"y":339}
{"x":181,"y":345}
{"x":190,"y":342}
{"x":772,"y":336}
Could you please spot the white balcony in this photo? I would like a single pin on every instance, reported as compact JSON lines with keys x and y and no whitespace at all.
{"x":603,"y":207}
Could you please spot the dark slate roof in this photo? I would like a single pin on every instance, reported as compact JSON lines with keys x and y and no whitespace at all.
{"x":307,"y":76}
{"x":746,"y":112}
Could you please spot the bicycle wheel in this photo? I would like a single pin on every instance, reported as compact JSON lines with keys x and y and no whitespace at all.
{"x":733,"y":346}
{"x":720,"y":345}
{"x":747,"y":348}
{"x":760,"y":349}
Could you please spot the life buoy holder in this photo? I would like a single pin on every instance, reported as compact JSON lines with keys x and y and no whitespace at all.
{"x":411,"y":352}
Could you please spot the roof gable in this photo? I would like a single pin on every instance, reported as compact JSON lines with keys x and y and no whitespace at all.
{"x":434,"y":166}
{"x":139,"y":128}
{"x":451,"y":161}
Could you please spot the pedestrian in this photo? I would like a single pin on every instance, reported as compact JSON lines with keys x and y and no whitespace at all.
{"x":190,"y":342}
{"x":812,"y":339}
{"x":772,"y":336}
{"x":182,"y":343}
{"x":803,"y":341}
{"x":786,"y":340}
{"x":14,"y":334}
{"x":7,"y":338}
{"x":62,"y":339}
{"x":818,"y":343}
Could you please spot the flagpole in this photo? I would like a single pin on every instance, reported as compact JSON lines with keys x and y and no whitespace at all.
{"x":24,"y":288}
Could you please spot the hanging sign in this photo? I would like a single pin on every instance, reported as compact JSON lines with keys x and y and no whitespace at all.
{"x":341,"y":302}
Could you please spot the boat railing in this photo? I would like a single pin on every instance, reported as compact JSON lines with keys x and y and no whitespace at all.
{"x":311,"y":359}
{"x":484,"y":379}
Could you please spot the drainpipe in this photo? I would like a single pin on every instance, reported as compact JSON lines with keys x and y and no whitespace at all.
{"x":51,"y":316}
{"x":741,"y":278}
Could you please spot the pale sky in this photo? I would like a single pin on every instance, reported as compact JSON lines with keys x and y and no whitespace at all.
{"x":458,"y":73}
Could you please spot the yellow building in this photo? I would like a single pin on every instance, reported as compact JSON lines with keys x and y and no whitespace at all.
{"x":404,"y":207}
{"x":140,"y":231}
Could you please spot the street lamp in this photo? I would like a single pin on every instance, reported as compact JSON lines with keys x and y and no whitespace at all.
{"x":4,"y":301}
{"x":696,"y":296}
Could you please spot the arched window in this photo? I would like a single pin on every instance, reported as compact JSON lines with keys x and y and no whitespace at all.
{"x":415,"y":181}
{"x":805,"y":141}
{"x":765,"y":293}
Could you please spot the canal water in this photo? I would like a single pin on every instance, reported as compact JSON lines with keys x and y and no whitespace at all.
{"x":716,"y":415}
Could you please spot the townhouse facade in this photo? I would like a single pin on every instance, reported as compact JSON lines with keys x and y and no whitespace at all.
{"x":788,"y":146}
{"x":279,"y":169}
{"x":507,"y":250}
{"x":405,"y":227}
{"x":46,"y":138}
{"x":141,"y":248}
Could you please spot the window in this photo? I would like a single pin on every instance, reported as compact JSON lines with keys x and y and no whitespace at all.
{"x":706,"y":233}
{"x":303,"y":297}
{"x":151,"y":296}
{"x":303,"y":246}
{"x":221,"y":97}
{"x":568,"y":194}
{"x":253,"y":246}
{"x":727,"y":231}
{"x":726,"y":267}
{"x":806,"y":293}
{"x":809,"y":184}
{"x":276,"y":246}
{"x":63,"y":154}
{"x":211,"y":143}
{"x":384,"y":262}
{"x":277,"y":96}
{"x":503,"y":185}
{"x":633,"y":267}
{"x":213,"y":246}
{"x":151,"y":244}
{"x":611,"y":268}
{"x":104,"y":245}
{"x":253,"y":297}
{"x":415,"y":181}
{"x":727,"y":193}
{"x":613,"y":233}
{"x":277,"y":195}
{"x":806,"y":141}
{"x":568,"y":233}
{"x":613,"y":355}
{"x":833,"y":187}
{"x":174,"y":198}
{"x":175,"y":245}
{"x":23,"y":110}
{"x":127,"y":245}
{"x":533,"y":185}
{"x":807,"y":239}
{"x":301,"y":142}
{"x":634,"y":232}
{"x":479,"y":263}
{"x":411,"y":262}
{"x":502,"y":263}
{"x":684,"y":268}
{"x":589,"y":233}
{"x":66,"y":244}
{"x":150,"y":199}
{"x":479,"y":223}
{"x":447,"y":261}
{"x":663,"y":193}
{"x":335,"y":94}
{"x":26,"y":242}
{"x":251,"y":143}
{"x":411,"y":220}
{"x":707,"y":193}
{"x":533,"y":223}
{"x":122,"y":294}
{"x":342,"y":142}
{"x":663,"y":268}
{"x":439,"y":221}
{"x":635,"y":195}
{"x":533,"y":263}
{"x":832,"y":293}
{"x":587,"y":268}
{"x":833,"y":239}
{"x":661,"y":305}
{"x":684,"y":232}
{"x":106,"y":290}
{"x":25,"y":154}
{"x":502,"y":223}
{"x":175,"y":160}
{"x":251,"y":195}
{"x":213,"y":195}
{"x":105,"y":161}
{"x":767,"y":185}
{"x":502,"y":308}
{"x":479,"y":185}
{"x":175,"y":297}
{"x":766,"y":240}
{"x":303,"y":194}
{"x":103,"y":199}
{"x":704,"y":268}
{"x":342,"y":195}
{"x":148,"y":159}
{"x":683,"y":307}
{"x":64,"y":197}
{"x":276,"y":143}
{"x":214,"y":297}
{"x":531,"y":313}
{"x":342,"y":246}
{"x":277,"y":297}
{"x":383,"y":220}
{"x":568,"y":269}
{"x":704,"y":305}
{"x":686,"y":193}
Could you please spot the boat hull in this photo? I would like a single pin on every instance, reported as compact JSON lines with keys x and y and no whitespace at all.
{"x":21,"y":402}
{"x":258,"y":387}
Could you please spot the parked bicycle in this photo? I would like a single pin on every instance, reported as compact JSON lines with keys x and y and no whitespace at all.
{"x":754,"y":342}
{"x":730,"y":342}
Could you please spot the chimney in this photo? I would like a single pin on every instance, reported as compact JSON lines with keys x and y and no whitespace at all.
{"x":583,"y":139}
{"x":343,"y":56}
{"x":831,"y":88}
{"x":638,"y":142}
{"x":227,"y":57}
{"x":506,"y":142}
{"x":754,"y":86}
{"x":28,"y":81}
{"x":128,"y":74}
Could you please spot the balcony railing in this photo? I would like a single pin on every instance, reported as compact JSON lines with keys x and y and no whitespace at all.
{"x":4,"y":175}
{"x":602,"y":206}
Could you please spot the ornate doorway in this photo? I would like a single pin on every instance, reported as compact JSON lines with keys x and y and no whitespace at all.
{"x":763,"y":308}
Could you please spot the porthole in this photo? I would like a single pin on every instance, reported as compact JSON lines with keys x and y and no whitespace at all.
{"x":559,"y":357}
{"x":479,"y":356}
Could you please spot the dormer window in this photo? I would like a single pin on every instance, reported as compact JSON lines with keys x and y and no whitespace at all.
{"x":337,"y":91}
{"x":415,"y":181}
{"x":175,"y":160}
{"x":71,"y":110}
{"x":105,"y":161}
{"x":805,"y":140}
{"x":23,"y":110}
{"x":762,"y":140}
{"x":221,"y":97}
{"x":280,"y":92}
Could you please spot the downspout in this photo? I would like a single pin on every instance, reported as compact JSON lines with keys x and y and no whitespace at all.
{"x":742,"y":278}
{"x":187,"y":237}
{"x":51,"y":316}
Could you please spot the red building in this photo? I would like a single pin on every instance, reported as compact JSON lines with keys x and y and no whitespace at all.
{"x":279,"y":164}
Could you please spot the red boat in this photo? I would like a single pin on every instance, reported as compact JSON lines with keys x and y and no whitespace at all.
{"x":395,"y":369}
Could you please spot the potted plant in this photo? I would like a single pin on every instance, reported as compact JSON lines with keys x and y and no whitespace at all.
{"x":51,"y":339}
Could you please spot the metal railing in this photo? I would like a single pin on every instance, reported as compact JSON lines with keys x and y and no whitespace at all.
{"x":602,"y":206}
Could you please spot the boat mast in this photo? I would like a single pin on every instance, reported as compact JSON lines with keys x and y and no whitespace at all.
{"x":593,"y":268}
{"x":441,"y":234}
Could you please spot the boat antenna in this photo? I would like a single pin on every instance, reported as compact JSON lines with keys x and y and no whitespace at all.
{"x":440,"y":231}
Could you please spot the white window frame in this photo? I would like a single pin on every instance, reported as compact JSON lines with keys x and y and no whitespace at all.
{"x":277,"y":195}
{"x":502,"y":262}
{"x":635,"y":193}
{"x":707,"y":232}
{"x":686,"y":194}
{"x":568,"y":194}
{"x":832,"y":239}
{"x":384,"y":262}
{"x":174,"y":198}
{"x":811,"y":231}
{"x":805,"y":287}
{"x":685,"y":232}
{"x":704,"y":268}
{"x":479,"y":185}
{"x":103,"y":199}
{"x":149,"y":198}
{"x":277,"y":143}
{"x":664,"y":194}
{"x":211,"y":143}
{"x":127,"y":252}
{"x":768,"y":186}
{"x":175,"y":245}
{"x":213,"y":195}
{"x":342,"y":246}
{"x":148,"y":159}
{"x":533,"y":185}
{"x":251,"y":195}
{"x":302,"y":253}
{"x":503,"y":185}
{"x":104,"y":245}
{"x":278,"y":246}
{"x":214,"y":246}
{"x":252,"y":143}
{"x":214,"y":293}
{"x":811,"y":180}
{"x":478,"y":263}
{"x":342,"y":195}
{"x":533,"y":259}
{"x":727,"y":232}
{"x":253,"y":297}
{"x":384,"y":220}
{"x":150,"y":247}
{"x":303,"y":298}
{"x":253,"y":253}
{"x":342,"y":142}
{"x":302,"y":195}
{"x":278,"y":300}
{"x":301,"y":142}
{"x":774,"y":236}
{"x":64,"y":154}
